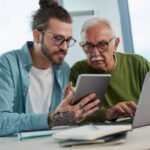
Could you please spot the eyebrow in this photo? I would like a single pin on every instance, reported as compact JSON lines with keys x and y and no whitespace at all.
{"x":96,"y":43}
{"x":55,"y":34}
{"x":88,"y":43}
{"x":70,"y":37}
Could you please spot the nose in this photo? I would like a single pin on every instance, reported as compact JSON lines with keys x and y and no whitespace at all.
{"x":64,"y":46}
{"x":96,"y":52}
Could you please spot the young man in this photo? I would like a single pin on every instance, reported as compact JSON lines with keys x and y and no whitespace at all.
{"x":128,"y":71}
{"x":32,"y":79}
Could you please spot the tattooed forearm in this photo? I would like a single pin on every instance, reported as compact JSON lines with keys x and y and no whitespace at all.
{"x":61,"y":118}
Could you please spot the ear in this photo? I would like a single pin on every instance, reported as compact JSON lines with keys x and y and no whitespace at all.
{"x":81,"y":45}
{"x":37,"y":36}
{"x":117,"y":41}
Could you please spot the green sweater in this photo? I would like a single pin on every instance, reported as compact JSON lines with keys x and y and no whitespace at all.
{"x":126,"y":82}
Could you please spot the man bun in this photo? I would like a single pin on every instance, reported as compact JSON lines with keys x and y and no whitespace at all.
{"x":48,"y":3}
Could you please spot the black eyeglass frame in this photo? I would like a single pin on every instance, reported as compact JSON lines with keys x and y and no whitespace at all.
{"x":59,"y":39}
{"x":102,"y":46}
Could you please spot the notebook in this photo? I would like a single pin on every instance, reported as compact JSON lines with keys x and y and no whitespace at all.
{"x":43,"y":133}
{"x":108,"y":140}
{"x":90,"y":132}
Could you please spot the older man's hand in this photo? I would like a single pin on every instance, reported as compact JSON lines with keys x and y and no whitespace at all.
{"x":121,"y":109}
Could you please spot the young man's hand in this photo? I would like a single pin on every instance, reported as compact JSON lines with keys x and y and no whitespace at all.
{"x":67,"y":114}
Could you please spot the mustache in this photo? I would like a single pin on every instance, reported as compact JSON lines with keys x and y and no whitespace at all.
{"x":97,"y":58}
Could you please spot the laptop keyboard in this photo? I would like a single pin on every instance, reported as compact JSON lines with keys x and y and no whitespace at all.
{"x":119,"y":122}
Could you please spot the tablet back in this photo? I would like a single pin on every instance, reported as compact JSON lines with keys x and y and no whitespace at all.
{"x":91,"y":83}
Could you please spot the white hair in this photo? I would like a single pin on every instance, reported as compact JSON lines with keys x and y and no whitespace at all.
{"x":94,"y":21}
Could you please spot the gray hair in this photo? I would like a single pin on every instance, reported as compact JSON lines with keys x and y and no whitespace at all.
{"x":94,"y":21}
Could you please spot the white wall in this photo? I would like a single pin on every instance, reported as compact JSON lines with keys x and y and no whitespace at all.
{"x":104,"y":8}
{"x":140,"y":24}
{"x":15,"y":23}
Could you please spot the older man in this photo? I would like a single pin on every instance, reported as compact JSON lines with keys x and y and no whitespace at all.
{"x":128,"y":71}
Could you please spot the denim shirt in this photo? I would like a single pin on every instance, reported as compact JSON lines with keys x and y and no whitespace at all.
{"x":14,"y":83}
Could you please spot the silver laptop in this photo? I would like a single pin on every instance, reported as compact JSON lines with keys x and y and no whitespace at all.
{"x":142,"y":115}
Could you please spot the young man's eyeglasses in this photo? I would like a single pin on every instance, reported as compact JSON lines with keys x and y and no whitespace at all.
{"x":59,"y":39}
{"x":101,"y":46}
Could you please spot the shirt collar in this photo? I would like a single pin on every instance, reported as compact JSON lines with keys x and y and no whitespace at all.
{"x":26,"y":56}
{"x":27,"y":59}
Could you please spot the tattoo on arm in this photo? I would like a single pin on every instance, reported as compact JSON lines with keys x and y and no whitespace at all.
{"x":61,"y":118}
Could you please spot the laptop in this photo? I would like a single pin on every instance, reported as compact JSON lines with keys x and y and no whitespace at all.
{"x":142,"y":115}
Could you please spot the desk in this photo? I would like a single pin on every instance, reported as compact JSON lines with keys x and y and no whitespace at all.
{"x":138,"y":139}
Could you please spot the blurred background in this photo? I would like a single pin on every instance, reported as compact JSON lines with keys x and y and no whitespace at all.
{"x":130,"y":19}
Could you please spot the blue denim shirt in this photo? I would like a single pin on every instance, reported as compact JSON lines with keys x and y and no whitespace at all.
{"x":14,"y":83}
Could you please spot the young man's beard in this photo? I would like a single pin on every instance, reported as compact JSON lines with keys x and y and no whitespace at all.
{"x":51,"y":56}
{"x":47,"y":52}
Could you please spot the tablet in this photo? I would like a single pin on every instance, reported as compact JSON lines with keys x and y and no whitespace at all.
{"x":91,"y":83}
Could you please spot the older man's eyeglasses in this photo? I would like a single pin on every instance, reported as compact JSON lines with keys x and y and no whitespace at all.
{"x":101,"y":46}
{"x":59,"y":39}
